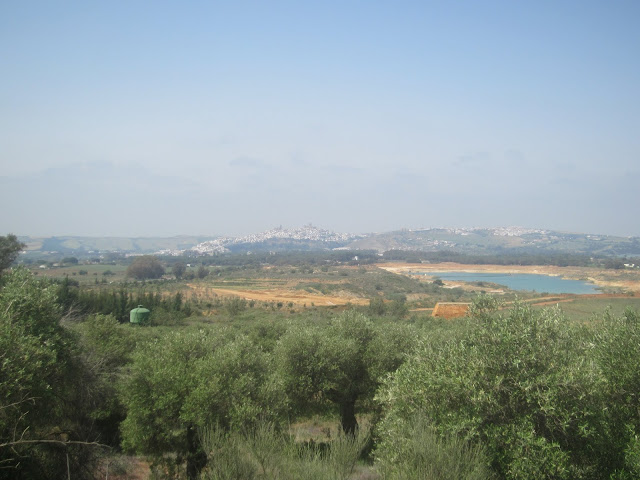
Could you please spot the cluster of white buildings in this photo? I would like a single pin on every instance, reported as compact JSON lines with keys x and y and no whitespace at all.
{"x":498,"y":231}
{"x":307,"y":232}
{"x":515,"y":231}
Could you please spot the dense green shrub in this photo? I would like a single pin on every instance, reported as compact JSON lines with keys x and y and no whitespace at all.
{"x":617,"y":351}
{"x":187,"y":380}
{"x":522,"y":384}
{"x":45,"y":387}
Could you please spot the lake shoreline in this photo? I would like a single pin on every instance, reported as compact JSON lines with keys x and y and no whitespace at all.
{"x":626,"y":281}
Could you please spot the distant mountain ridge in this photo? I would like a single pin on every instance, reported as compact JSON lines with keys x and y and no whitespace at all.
{"x":73,"y":244}
{"x":463,"y":240}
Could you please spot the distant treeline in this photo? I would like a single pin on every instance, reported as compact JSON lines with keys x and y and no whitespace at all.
{"x":364,"y":257}
{"x":294,"y":258}
{"x":511,"y":258}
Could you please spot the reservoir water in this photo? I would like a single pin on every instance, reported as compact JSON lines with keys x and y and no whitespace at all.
{"x":522,"y":281}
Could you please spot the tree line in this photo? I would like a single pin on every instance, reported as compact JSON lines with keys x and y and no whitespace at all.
{"x":509,"y":257}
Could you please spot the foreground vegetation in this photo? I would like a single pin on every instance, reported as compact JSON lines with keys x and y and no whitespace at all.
{"x":212,"y":388}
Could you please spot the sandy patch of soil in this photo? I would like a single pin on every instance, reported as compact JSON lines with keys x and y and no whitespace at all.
{"x":284,"y":295}
{"x":450,"y":310}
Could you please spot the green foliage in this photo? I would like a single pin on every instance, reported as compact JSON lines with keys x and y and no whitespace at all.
{"x":202,"y":271}
{"x":341,"y":364}
{"x":105,"y":349}
{"x":160,"y":378}
{"x":520,"y":393}
{"x":144,"y":267}
{"x":265,"y":452}
{"x":519,"y":385}
{"x":388,"y":349}
{"x":10,"y":248}
{"x":109,"y":343}
{"x":229,"y":458}
{"x":235,"y":305}
{"x":161,"y":316}
{"x":239,"y":389}
{"x":344,"y":452}
{"x":186,"y":380}
{"x":484,"y":305}
{"x":31,"y":343}
{"x":300,"y":358}
{"x":376,"y":306}
{"x":515,"y":257}
{"x":398,"y":307}
{"x":617,"y":351}
{"x":165,"y":310}
{"x":178,"y":269}
{"x":41,"y":384}
{"x":418,"y":452}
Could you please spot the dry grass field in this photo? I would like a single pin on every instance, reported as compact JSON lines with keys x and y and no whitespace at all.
{"x":283,"y":294}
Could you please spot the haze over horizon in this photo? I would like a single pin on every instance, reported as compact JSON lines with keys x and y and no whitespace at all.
{"x":135,"y":119}
{"x":295,"y":228}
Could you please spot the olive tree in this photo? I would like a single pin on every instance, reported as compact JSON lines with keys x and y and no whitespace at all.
{"x":105,"y":350}
{"x":617,"y":349}
{"x":339,"y":365}
{"x":186,"y":381}
{"x":518,"y":383}
{"x":178,"y":269}
{"x":43,"y":420}
{"x":144,"y":267}
{"x":10,"y":248}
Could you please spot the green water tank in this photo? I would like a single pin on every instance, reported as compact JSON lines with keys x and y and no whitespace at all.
{"x":139,"y":315}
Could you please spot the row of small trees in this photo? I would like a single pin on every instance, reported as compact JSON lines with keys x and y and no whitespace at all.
{"x":149,"y":267}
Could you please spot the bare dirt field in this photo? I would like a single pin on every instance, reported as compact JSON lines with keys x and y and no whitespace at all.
{"x":628,"y":281}
{"x":284,"y":295}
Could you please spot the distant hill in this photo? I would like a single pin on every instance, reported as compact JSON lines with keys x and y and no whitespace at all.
{"x":86,"y":245}
{"x":476,"y":241}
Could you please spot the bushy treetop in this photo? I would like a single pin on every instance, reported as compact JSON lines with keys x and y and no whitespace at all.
{"x":145,"y":267}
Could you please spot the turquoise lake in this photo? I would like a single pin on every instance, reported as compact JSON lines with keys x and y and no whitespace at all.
{"x":522,"y":281}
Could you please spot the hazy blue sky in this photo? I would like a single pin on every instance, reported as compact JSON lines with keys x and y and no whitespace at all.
{"x":161,"y":118}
